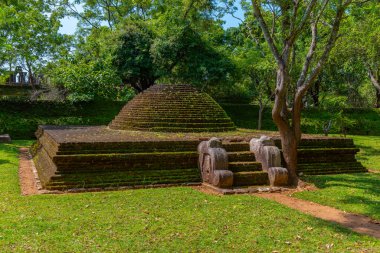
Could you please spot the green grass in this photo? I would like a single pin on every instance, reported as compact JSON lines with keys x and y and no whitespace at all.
{"x":164,"y":220}
{"x":369,"y":153}
{"x":356,"y":193}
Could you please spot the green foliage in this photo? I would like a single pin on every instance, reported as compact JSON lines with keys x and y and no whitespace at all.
{"x":84,"y":83}
{"x":21,"y":118}
{"x":142,"y":220}
{"x":89,"y":74}
{"x":357,"y":55}
{"x":29,"y":34}
{"x":356,"y":121}
{"x":133,"y":59}
{"x":176,"y":55}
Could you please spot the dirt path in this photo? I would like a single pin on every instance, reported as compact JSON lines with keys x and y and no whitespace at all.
{"x":28,"y":182}
{"x":357,"y":223}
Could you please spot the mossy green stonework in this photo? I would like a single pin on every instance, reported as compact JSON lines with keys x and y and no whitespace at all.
{"x":173,"y":108}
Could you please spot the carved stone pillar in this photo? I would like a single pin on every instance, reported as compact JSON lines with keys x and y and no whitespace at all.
{"x":269,"y":155}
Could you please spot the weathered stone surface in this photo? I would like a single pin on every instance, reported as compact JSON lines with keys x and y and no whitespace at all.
{"x":5,"y":138}
{"x":278,"y":176}
{"x":266,"y":152}
{"x":222,"y":178}
{"x":213,"y":163}
{"x":98,"y":157}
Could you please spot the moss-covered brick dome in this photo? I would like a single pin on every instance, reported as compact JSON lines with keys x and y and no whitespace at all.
{"x":173,"y":108}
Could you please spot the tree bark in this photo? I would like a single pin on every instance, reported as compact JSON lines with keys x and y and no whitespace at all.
{"x":260,"y":119}
{"x":376,"y":83}
{"x":289,"y":140}
{"x":289,"y":151}
{"x":314,"y":92}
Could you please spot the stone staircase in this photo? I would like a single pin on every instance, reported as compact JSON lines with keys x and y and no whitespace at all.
{"x":247,"y":171}
{"x":328,"y":156}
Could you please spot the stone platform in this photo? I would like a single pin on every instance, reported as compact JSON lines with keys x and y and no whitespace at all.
{"x":100,"y":157}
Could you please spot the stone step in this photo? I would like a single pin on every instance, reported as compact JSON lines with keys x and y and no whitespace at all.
{"x":329,"y":172}
{"x":349,"y":158}
{"x":241,"y":156}
{"x":244,"y":166}
{"x":123,"y":175}
{"x":331,"y":165}
{"x":326,"y":151}
{"x":129,"y":147}
{"x":180,"y":119}
{"x":173,"y":113}
{"x":128,"y":158}
{"x":92,"y":167}
{"x":324,"y":170}
{"x":64,"y":185}
{"x":140,"y":124}
{"x":151,"y":103}
{"x":185,"y":130}
{"x":235,"y":146}
{"x":251,"y":178}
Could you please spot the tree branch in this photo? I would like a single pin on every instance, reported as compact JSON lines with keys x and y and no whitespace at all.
{"x":329,"y":46}
{"x":374,"y":80}
{"x":267,"y":36}
{"x":313,"y":45}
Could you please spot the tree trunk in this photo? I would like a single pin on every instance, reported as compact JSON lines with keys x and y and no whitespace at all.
{"x":376,"y":83}
{"x":260,"y":119}
{"x":289,"y":152}
{"x":314,"y":91}
{"x":289,"y":141}
{"x":30,"y":74}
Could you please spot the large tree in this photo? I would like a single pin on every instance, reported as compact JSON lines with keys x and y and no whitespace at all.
{"x":360,"y":47}
{"x":295,"y":18}
{"x":29,"y":35}
{"x":180,"y":42}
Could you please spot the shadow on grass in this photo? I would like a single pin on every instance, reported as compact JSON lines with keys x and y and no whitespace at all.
{"x":358,"y":190}
{"x":3,"y":161}
{"x":370,"y":150}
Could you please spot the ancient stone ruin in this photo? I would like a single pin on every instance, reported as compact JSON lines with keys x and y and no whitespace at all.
{"x":173,"y":108}
{"x":164,"y":137}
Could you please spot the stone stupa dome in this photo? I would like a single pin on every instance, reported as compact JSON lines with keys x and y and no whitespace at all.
{"x":173,"y":108}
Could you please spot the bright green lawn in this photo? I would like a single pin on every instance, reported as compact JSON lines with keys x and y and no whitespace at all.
{"x":168,"y":219}
{"x":358,"y":193}
{"x":370,"y":150}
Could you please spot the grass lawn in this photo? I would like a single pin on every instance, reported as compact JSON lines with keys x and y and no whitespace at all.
{"x":168,"y":219}
{"x":357,"y":193}
{"x":369,"y":153}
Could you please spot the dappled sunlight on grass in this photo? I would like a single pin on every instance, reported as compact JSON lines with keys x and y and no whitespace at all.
{"x":369,"y":153}
{"x":357,"y":193}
